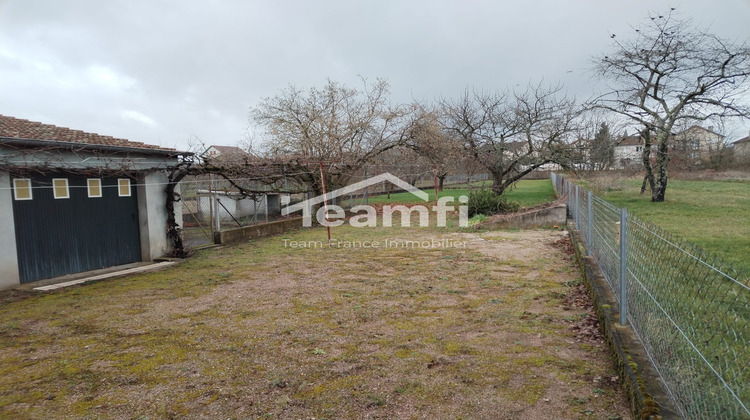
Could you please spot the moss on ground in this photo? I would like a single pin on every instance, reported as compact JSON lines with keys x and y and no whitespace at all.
{"x":262,"y":330}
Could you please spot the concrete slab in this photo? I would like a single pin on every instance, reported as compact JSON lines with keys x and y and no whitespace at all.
{"x":140,"y":269}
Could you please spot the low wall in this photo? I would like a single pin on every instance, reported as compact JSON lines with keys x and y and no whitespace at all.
{"x":646,"y":394}
{"x":544,"y":217}
{"x":234,"y":236}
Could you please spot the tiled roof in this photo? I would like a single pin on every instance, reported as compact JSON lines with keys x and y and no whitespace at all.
{"x":30,"y":130}
{"x":631,"y":141}
{"x":697,"y":127}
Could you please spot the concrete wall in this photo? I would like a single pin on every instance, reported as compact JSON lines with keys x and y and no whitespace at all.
{"x":258,"y":231}
{"x":648,"y":399}
{"x":8,"y":257}
{"x":152,"y":215}
{"x":547,"y":217}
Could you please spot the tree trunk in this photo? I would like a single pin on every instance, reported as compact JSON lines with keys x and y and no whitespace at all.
{"x":498,"y":187}
{"x":662,"y":162}
{"x":646,"y":159}
{"x":174,"y":231}
{"x":643,"y":185}
{"x":441,"y":181}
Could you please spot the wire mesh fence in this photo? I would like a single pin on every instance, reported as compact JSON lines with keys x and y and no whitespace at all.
{"x":690,"y":310}
{"x":212,"y":204}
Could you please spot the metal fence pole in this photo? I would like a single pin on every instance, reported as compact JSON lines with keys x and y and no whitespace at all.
{"x":286,"y":183}
{"x":589,"y":223}
{"x":623,"y":266}
{"x":578,"y":212}
{"x":217,"y":219}
{"x":367,"y":199}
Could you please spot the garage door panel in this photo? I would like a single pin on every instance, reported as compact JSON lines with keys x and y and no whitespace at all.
{"x":55,"y":237}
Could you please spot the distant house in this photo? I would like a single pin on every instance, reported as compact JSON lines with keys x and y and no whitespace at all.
{"x":226,"y":154}
{"x":72,"y":201}
{"x":697,"y":143}
{"x":628,"y":151}
{"x":741,"y":149}
{"x":580,"y":151}
{"x":690,"y":146}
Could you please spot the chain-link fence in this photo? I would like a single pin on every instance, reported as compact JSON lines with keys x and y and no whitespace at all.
{"x":210,"y":204}
{"x":690,"y":310}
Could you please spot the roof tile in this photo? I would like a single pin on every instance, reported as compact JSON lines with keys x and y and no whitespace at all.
{"x":32,"y":130}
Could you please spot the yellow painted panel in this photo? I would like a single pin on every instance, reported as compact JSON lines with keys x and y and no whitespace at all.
{"x":22,"y":189}
{"x":60,"y":188}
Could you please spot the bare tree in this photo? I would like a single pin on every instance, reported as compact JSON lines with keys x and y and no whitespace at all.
{"x":343,"y":127}
{"x":672,"y":71}
{"x":512,"y":133}
{"x":429,"y":141}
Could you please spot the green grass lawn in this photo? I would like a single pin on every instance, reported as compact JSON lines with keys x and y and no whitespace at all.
{"x":714,"y":215}
{"x":527,"y":193}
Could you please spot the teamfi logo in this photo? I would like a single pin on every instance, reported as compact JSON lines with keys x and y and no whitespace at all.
{"x":367,"y":216}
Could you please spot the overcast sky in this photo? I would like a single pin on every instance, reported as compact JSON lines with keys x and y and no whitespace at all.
{"x":162,"y":72}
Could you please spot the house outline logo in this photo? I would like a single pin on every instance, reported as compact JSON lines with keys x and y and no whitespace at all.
{"x":441,"y":208}
{"x":306,"y":205}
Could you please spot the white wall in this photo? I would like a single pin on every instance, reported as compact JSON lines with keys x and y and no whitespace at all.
{"x":9,"y":256}
{"x":152,"y":215}
{"x":627,"y":153}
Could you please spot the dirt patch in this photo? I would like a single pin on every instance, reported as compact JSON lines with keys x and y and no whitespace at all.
{"x":13,"y":295}
{"x":481,"y":331}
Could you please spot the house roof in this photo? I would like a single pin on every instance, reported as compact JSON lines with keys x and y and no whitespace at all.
{"x":697,"y":127}
{"x":631,"y":141}
{"x":742,"y":140}
{"x":227,"y":154}
{"x":24,"y":130}
{"x":227,"y":150}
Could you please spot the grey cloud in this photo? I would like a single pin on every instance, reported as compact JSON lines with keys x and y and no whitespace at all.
{"x":194,"y":67}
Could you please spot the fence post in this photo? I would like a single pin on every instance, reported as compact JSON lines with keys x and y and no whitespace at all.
{"x":623,"y":266}
{"x":217,"y":219}
{"x":367,"y":199}
{"x":589,"y":222}
{"x":286,"y":183}
{"x":578,"y":211}
{"x":554,"y":181}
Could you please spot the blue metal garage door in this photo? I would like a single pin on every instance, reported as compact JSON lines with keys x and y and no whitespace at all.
{"x":89,"y":229}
